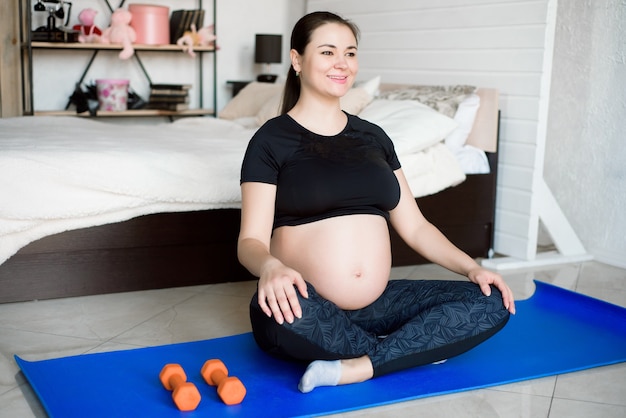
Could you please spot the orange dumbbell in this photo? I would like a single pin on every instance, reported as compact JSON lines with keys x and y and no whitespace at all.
{"x":229,"y":389}
{"x":185,"y":394}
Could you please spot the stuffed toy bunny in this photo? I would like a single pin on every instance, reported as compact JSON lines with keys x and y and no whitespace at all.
{"x":203,"y":37}
{"x":120,"y":32}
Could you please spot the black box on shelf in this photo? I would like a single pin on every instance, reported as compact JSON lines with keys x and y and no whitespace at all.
{"x":55,"y":35}
{"x":181,"y":20}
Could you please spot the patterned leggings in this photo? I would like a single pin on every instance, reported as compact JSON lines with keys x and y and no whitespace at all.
{"x":414,"y":322}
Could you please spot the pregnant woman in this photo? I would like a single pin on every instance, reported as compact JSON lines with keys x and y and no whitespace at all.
{"x":319,"y":188}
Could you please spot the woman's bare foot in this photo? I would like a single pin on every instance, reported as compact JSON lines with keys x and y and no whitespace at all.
{"x":336,"y":372}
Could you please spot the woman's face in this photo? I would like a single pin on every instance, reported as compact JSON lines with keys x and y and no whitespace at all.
{"x":329,"y":64}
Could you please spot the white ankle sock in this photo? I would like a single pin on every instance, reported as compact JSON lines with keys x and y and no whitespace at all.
{"x":320,"y":373}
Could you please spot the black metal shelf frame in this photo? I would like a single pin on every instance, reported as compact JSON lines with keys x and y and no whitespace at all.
{"x":27,"y":58}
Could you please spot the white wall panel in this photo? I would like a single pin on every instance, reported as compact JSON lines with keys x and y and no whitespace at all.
{"x":524,"y":108}
{"x":518,"y":154}
{"x":515,"y":200}
{"x":421,"y":39}
{"x":469,"y":61}
{"x":517,"y":130}
{"x":496,"y":44}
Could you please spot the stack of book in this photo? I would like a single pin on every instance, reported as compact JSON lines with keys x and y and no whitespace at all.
{"x":173,"y":97}
{"x":181,"y":21}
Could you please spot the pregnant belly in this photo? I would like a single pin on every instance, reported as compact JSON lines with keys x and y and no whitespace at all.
{"x":346,"y":258}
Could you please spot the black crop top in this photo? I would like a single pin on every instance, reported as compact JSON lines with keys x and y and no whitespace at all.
{"x":319,"y":177}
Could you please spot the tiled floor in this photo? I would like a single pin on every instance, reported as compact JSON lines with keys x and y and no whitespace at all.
{"x":55,"y":328}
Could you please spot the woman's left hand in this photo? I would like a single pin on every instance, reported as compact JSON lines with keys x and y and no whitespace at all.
{"x":484,"y":278}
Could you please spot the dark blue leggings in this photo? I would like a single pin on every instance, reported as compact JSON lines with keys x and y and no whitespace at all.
{"x":414,"y":322}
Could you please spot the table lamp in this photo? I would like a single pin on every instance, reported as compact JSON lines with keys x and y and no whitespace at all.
{"x":267,"y":50}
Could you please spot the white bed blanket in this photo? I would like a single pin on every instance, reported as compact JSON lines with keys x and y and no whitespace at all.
{"x":63,"y":173}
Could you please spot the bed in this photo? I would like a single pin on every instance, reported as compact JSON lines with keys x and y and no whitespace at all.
{"x":90,"y":207}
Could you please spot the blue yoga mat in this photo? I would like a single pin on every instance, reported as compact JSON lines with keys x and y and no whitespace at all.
{"x":555,"y":331}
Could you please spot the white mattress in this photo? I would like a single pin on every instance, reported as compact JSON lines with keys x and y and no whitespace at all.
{"x":63,"y":173}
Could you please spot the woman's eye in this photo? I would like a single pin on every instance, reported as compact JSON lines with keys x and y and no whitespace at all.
{"x":327,"y":52}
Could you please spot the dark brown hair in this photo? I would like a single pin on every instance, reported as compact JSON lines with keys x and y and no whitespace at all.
{"x":300,"y":38}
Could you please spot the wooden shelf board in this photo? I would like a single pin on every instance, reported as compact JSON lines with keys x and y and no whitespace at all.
{"x":127,"y":113}
{"x":137,"y":47}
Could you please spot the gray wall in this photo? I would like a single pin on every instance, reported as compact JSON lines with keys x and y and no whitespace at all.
{"x":585,"y":160}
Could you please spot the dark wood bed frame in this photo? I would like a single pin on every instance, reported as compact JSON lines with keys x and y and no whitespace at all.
{"x":192,"y":248}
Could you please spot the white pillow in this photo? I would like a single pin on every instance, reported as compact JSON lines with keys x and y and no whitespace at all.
{"x":355,"y":100}
{"x":270,"y":109}
{"x":371,"y":86}
{"x":464,"y":116}
{"x":472,"y":160}
{"x":250,"y":99}
{"x":360,"y":95}
{"x":412,"y":126}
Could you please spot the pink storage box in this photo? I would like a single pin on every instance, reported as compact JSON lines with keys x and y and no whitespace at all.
{"x":151,"y":23}
{"x":112,"y":94}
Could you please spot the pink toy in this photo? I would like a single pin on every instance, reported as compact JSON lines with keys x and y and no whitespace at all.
{"x":203,"y":37}
{"x":89,"y":33}
{"x":120,"y":32}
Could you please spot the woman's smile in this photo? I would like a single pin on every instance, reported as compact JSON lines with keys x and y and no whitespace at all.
{"x":341,"y":79}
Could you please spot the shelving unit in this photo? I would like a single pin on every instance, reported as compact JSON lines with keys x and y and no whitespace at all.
{"x":28,"y":46}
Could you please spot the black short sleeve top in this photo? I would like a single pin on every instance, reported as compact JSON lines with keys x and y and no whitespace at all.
{"x":318,"y":176}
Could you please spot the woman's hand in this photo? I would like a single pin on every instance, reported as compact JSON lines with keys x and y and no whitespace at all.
{"x":484,"y":278}
{"x":277,"y":294}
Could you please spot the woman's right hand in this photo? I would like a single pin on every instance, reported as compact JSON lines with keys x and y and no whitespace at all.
{"x":277,"y":292}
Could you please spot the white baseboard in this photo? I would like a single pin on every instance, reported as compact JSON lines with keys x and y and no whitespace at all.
{"x":542,"y":259}
{"x":610,"y":257}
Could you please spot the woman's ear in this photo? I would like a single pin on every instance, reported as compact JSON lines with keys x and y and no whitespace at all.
{"x":295,"y":60}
